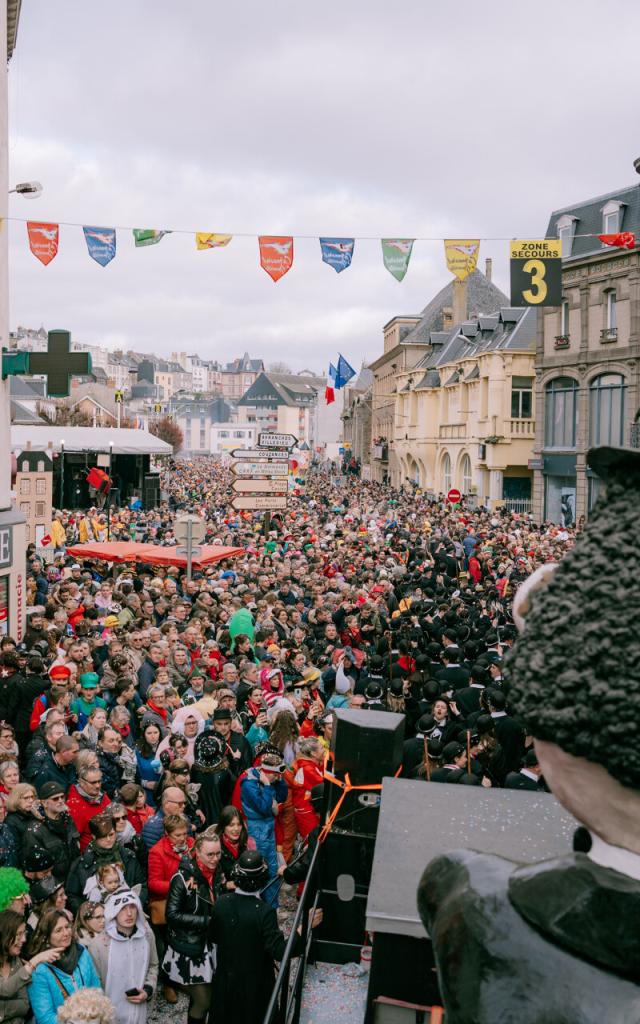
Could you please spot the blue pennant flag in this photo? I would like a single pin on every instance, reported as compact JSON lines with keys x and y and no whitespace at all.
{"x":333,"y":373}
{"x":101,"y":243}
{"x":344,"y":373}
{"x":337,"y":252}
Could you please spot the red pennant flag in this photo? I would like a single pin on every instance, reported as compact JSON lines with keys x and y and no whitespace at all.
{"x":43,"y":240}
{"x":276,"y":255}
{"x":623,"y":240}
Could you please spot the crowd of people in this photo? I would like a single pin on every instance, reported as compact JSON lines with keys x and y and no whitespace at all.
{"x":163,"y":739}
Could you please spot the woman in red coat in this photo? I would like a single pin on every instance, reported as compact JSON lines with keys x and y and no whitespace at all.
{"x":305,"y":773}
{"x":165,"y":856}
{"x":475,"y":570}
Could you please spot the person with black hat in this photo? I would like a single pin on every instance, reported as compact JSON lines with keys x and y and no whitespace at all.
{"x":211,"y":773}
{"x":529,"y":776}
{"x":56,"y":833}
{"x":45,"y":894}
{"x":248,"y":939}
{"x":413,"y":750}
{"x":468,"y":698}
{"x":453,"y":676}
{"x":509,"y":732}
{"x":237,"y":749}
{"x":454,"y":767}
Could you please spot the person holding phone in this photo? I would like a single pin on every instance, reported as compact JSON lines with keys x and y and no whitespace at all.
{"x":125,"y":957}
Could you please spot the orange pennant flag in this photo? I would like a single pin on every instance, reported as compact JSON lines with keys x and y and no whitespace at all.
{"x":43,"y":240}
{"x":276,"y":255}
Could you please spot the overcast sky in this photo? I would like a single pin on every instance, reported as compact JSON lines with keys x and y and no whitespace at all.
{"x":346,"y":117}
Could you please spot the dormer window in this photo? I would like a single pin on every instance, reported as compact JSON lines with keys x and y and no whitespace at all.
{"x":611,"y":218}
{"x":566,"y":227}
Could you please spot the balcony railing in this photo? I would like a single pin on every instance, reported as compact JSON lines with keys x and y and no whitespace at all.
{"x":381,"y":452}
{"x":522,"y":428}
{"x":452,"y":431}
{"x":608,"y":334}
{"x":634,"y":435}
{"x":562,"y":341}
{"x":520,"y":505}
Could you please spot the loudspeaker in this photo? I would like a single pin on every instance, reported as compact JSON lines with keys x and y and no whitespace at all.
{"x":366,"y":746}
{"x":151,"y":491}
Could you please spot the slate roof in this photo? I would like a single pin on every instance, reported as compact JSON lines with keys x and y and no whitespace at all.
{"x":98,"y":393}
{"x":482,"y":297}
{"x":588,"y":221}
{"x":507,"y":329}
{"x":23,"y":416}
{"x":22,"y":387}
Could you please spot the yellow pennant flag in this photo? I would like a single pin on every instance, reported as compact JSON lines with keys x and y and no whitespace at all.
{"x":208,"y":240}
{"x":462,"y":255}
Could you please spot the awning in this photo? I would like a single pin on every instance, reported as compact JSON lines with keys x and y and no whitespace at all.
{"x":151,"y":554}
{"x":125,"y":441}
{"x":109,"y":551}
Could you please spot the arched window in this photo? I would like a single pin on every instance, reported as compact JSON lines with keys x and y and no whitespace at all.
{"x":446,"y":473}
{"x":561,"y":413}
{"x":607,"y":394}
{"x":465,"y":470}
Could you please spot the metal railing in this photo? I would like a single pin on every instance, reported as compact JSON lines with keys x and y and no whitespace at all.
{"x":520,"y":505}
{"x":562,"y":341}
{"x":634,"y":435}
{"x":286,"y":998}
{"x":609,"y":334}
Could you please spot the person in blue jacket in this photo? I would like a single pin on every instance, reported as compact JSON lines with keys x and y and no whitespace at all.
{"x":261,"y":790}
{"x":72,"y":969}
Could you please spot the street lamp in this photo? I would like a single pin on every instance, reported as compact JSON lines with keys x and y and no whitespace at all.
{"x":31,"y":189}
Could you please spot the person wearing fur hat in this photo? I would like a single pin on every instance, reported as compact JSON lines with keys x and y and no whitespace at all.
{"x":211,"y":772}
{"x":125,"y":957}
{"x":262,"y":789}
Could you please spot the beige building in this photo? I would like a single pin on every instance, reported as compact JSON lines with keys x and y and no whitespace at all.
{"x":588,"y":354}
{"x":406,"y":339}
{"x":464,"y":413}
{"x":34,"y":493}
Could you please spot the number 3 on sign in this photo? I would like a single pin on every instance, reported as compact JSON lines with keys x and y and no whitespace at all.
{"x":537,"y":293}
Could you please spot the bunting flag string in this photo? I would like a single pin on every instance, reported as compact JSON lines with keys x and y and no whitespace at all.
{"x":277,"y":251}
{"x":276,"y":255}
{"x":101,"y":244}
{"x":337,"y":252}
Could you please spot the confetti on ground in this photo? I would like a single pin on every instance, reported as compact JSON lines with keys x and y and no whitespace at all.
{"x":331,"y":994}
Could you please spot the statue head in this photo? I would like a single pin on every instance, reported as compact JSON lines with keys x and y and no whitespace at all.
{"x":575,"y":670}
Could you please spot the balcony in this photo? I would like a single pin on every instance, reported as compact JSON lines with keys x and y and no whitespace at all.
{"x":562,"y":341}
{"x":381,"y":452}
{"x":634,"y":438}
{"x":452,"y":431}
{"x":522,"y":428}
{"x":608,"y":335}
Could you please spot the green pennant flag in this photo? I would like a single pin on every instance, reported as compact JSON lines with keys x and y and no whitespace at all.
{"x":148,"y":236}
{"x":396,"y":253}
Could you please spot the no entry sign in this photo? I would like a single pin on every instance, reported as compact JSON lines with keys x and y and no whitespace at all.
{"x":454,"y":496}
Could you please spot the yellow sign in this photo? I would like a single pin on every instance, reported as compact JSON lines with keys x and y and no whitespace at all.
{"x":462,"y":255}
{"x":536,"y":272}
{"x":209,"y":240}
{"x":536,"y":249}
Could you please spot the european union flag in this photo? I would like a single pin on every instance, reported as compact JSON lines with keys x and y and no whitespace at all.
{"x":344,"y":373}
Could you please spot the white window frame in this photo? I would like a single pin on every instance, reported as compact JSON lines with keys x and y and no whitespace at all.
{"x":566,"y":227}
{"x":564,"y":318}
{"x":611,"y":218}
{"x":612,"y":310}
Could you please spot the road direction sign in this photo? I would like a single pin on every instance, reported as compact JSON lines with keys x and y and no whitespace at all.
{"x":259,"y":502}
{"x":267,"y":440}
{"x":266,"y":486}
{"x":261,"y":469}
{"x":454,"y":496}
{"x":259,"y":453}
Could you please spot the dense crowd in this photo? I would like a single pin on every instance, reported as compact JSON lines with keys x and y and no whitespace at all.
{"x":163,"y":740}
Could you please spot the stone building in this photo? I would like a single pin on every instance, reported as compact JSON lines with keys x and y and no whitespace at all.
{"x":587,"y":358}
{"x":406,"y":339}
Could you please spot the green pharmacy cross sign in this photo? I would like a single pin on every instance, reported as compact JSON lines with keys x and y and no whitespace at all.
{"x":58,"y":364}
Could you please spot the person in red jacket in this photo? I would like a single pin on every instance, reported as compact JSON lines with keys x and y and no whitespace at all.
{"x":85,"y":799}
{"x":165,"y":856}
{"x":475,"y":570}
{"x":305,"y":773}
{"x":135,"y":801}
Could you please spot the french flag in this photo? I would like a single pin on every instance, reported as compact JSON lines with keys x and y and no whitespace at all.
{"x":329,"y":391}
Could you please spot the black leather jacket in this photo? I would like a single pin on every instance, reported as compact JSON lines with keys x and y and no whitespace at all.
{"x":189,"y":910}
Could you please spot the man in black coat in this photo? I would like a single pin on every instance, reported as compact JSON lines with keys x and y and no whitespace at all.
{"x":237,"y":748}
{"x":109,"y":744}
{"x":453,"y":676}
{"x":245,"y":930}
{"x":468,"y":698}
{"x":509,"y":734}
{"x":57,"y":765}
{"x":529,"y":777}
{"x":56,"y":833}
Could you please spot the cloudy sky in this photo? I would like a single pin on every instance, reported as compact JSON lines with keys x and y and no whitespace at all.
{"x":351,"y":117}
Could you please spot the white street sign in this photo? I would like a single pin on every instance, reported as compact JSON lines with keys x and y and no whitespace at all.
{"x":259,"y":453}
{"x":267,"y":486}
{"x":259,"y":502}
{"x":267,"y":440}
{"x":181,"y":529}
{"x":266,"y":469}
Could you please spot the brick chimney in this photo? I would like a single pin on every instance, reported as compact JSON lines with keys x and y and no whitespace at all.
{"x":459,"y":301}
{"x":488,"y":266}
